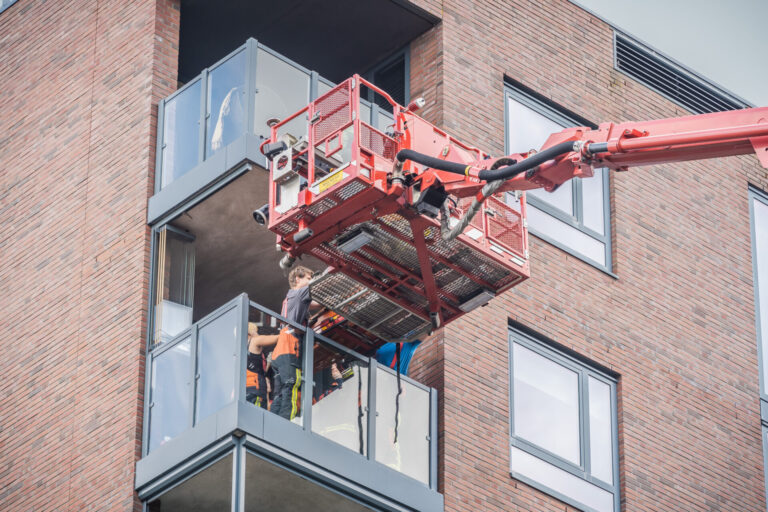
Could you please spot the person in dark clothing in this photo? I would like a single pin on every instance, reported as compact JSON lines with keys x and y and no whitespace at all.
{"x":286,"y":357}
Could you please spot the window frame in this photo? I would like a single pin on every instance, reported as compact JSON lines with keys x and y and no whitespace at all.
{"x":5,"y":5}
{"x":755,"y":194}
{"x":560,"y":116}
{"x":585,"y":369}
{"x":403,"y":53}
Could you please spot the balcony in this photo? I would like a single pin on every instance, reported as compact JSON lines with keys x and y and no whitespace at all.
{"x":210,"y":130}
{"x":343,"y":438}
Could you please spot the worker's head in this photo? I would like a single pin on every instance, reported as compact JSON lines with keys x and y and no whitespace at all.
{"x":253,"y":329}
{"x":299,"y":277}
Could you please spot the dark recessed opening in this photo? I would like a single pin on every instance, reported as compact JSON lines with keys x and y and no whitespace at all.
{"x":336,"y":40}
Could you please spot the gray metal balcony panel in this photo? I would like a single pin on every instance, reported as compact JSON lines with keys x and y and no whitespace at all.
{"x":221,"y":167}
{"x":296,"y":449}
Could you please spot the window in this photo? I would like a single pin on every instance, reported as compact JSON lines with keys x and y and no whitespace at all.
{"x":392,"y":76}
{"x":563,"y":425}
{"x":759,"y":217}
{"x":576,"y":216}
{"x":759,"y":210}
{"x":4,"y":4}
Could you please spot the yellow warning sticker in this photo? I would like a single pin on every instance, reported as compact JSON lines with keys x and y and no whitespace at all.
{"x":330,"y":181}
{"x":327,"y":182}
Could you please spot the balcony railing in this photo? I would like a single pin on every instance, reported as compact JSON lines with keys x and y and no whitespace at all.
{"x":231,"y":100}
{"x":346,"y":397}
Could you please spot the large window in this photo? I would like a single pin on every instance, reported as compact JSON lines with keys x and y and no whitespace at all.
{"x":759,"y":214}
{"x":563,"y":425}
{"x":759,"y":208}
{"x":576,"y":216}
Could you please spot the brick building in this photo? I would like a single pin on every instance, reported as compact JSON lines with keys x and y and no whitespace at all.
{"x":624,"y":375}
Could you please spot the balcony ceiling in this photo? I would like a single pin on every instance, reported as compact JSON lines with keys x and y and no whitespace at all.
{"x":335,"y":38}
{"x":233,"y":254}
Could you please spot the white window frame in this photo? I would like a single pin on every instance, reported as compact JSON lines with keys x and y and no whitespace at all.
{"x":576,"y":221}
{"x":584,"y":369}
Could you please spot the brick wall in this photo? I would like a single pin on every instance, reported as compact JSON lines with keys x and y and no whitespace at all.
{"x":79,"y":83}
{"x":677,"y":325}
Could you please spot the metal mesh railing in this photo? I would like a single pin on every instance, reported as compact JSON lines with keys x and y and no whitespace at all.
{"x":367,"y":308}
{"x":377,"y":142}
{"x":332,"y":111}
{"x":505,"y":225}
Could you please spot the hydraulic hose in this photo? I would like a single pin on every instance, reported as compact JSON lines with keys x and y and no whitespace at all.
{"x":449,"y":233}
{"x":429,"y":161}
{"x":493,"y":177}
{"x":490,"y":174}
{"x":510,"y":171}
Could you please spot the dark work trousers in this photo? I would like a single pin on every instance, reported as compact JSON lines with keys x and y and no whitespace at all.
{"x":287,"y":400}
{"x":256,"y":396}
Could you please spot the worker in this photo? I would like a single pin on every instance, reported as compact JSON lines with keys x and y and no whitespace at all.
{"x":256,"y":386}
{"x":286,"y":356}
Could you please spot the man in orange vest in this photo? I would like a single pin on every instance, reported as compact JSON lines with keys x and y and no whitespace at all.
{"x":286,"y":356}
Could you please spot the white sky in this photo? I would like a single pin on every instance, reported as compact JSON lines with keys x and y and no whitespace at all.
{"x":725,"y":41}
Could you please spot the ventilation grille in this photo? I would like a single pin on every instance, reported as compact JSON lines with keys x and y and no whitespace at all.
{"x":669,"y":79}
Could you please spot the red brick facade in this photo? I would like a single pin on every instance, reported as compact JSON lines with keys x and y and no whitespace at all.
{"x":80,"y":84}
{"x":678,"y":324}
{"x":78,"y":100}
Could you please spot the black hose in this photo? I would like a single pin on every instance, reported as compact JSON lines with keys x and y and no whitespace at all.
{"x":597,"y":147}
{"x":529,"y":163}
{"x":432,"y":162}
{"x":492,"y":174}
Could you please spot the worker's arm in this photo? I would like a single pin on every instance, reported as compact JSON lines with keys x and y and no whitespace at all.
{"x":257,"y":341}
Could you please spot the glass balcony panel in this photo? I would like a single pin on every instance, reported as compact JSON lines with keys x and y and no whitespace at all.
{"x":281,"y":90}
{"x":410,"y":454}
{"x":181,"y":134}
{"x":210,"y":490}
{"x":225,"y":115}
{"x":365,"y":112}
{"x":385,"y":120}
{"x":170,"y":393}
{"x":217,"y":363}
{"x":263,"y":330}
{"x":323,"y":87}
{"x":340,"y":398}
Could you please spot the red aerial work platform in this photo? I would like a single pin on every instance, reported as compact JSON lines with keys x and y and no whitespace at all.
{"x":413,"y":224}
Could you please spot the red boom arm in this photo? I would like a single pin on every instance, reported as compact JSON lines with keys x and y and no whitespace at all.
{"x":623,"y":145}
